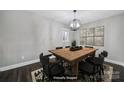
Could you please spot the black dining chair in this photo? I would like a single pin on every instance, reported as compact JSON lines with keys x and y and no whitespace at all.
{"x":104,"y":53}
{"x":89,"y":47}
{"x":67,"y":46}
{"x":50,"y":70}
{"x":59,"y":47}
{"x":98,"y":61}
{"x":57,"y":58}
{"x":89,"y":70}
{"x":93,"y":66}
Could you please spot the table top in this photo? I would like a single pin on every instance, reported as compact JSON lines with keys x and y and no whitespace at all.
{"x":72,"y":56}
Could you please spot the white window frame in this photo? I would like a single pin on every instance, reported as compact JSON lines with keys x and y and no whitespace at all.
{"x":65,"y":36}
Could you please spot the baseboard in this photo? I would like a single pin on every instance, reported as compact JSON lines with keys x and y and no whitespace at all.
{"x":18,"y":65}
{"x":115,"y":62}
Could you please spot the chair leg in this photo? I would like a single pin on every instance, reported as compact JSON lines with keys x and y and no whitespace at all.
{"x":94,"y":78}
{"x":102,"y":68}
{"x":91,"y":78}
{"x":100,"y":76}
{"x":43,"y":77}
{"x":50,"y":78}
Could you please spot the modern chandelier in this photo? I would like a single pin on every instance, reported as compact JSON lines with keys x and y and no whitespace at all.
{"x":75,"y":24}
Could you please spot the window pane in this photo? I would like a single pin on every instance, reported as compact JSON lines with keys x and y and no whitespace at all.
{"x":81,"y":36}
{"x":65,"y":36}
{"x":89,"y":40}
{"x":84,"y":32}
{"x":99,"y":31}
{"x":99,"y":41}
{"x":90,"y":32}
{"x":83,"y":41}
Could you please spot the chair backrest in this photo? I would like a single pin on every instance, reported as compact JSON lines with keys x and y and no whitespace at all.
{"x":100,"y":59}
{"x":67,"y":46}
{"x":45,"y":63}
{"x":104,"y":53}
{"x":41,"y":55}
{"x":59,"y":47}
{"x":44,"y":60}
{"x":88,"y":46}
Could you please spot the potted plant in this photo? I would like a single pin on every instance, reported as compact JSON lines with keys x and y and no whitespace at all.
{"x":74,"y":43}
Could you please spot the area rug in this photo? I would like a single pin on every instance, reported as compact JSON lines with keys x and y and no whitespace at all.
{"x":107,"y":77}
{"x":108,"y":71}
{"x":37,"y":75}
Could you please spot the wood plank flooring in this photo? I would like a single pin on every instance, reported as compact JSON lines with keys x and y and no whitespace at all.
{"x":21,"y":74}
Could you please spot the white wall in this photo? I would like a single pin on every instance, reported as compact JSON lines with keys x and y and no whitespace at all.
{"x":23,"y":33}
{"x":113,"y":36}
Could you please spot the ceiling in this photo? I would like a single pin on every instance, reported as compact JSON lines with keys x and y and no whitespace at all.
{"x":65,"y":16}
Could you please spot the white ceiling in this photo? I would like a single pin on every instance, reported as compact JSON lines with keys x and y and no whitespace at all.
{"x":65,"y":16}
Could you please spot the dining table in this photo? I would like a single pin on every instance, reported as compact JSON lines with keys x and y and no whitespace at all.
{"x":73,"y":57}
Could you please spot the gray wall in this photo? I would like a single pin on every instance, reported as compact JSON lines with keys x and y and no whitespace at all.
{"x":114,"y":36}
{"x":24,"y":35}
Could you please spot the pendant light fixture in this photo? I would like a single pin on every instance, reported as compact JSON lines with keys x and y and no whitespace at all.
{"x":75,"y":24}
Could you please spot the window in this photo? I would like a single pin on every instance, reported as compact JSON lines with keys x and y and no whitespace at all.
{"x":65,"y":36}
{"x":92,"y":36}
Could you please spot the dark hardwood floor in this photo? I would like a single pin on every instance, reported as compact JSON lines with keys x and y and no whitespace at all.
{"x":23,"y":74}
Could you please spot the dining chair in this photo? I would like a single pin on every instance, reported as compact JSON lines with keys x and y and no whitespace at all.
{"x":57,"y":58}
{"x":93,"y":66}
{"x":104,"y":53}
{"x":50,"y":70}
{"x":67,"y":46}
{"x":98,"y":61}
{"x":88,"y":46}
{"x":59,"y":47}
{"x":89,"y":70}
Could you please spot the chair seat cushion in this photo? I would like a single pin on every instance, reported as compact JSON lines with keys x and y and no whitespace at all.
{"x":56,"y":69}
{"x":89,"y":59}
{"x":86,"y":67}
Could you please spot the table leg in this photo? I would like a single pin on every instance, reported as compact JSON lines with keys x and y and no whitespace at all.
{"x":75,"y":69}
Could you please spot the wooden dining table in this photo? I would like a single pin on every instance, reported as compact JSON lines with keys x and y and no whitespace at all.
{"x":73,"y":57}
